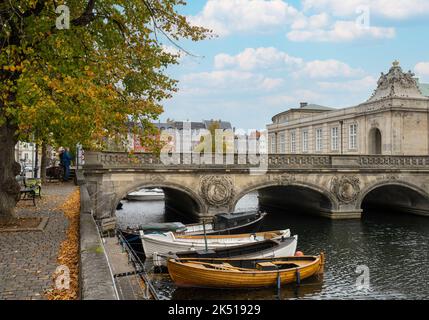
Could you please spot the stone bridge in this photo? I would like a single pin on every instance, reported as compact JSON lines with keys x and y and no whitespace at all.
{"x":333,"y":186}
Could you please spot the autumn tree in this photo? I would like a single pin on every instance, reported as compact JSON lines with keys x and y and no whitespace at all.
{"x":215,"y":135}
{"x":86,"y":80}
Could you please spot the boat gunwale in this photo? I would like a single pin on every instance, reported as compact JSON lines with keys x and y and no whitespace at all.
{"x":210,"y":231}
{"x":317,"y":259}
{"x":234,"y":236}
{"x":277,"y":243}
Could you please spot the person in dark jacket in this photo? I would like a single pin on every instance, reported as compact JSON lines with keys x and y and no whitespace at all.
{"x":61,"y":164}
{"x":66,"y":160}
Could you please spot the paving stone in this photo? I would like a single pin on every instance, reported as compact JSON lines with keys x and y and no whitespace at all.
{"x":28,"y":259}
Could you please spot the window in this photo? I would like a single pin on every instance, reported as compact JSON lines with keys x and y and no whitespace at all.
{"x":273,"y":143}
{"x":305,"y":141}
{"x":293,"y":142}
{"x":353,"y":136}
{"x":319,"y":144}
{"x":282,"y":142}
{"x":334,"y":139}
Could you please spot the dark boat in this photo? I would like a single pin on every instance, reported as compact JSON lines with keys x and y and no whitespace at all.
{"x":229,"y":223}
{"x":223,"y":223}
{"x":271,"y":248}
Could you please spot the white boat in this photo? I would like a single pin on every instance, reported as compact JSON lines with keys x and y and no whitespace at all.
{"x":169,"y":242}
{"x":284,"y":247}
{"x":223,"y":223}
{"x":146,"y":195}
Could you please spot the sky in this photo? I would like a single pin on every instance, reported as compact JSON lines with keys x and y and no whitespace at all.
{"x":270,"y":55}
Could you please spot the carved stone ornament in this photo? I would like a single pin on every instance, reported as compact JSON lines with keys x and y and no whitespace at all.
{"x":396,"y":83}
{"x":390,"y":177}
{"x":156,"y":178}
{"x":218,"y":191}
{"x":346,"y":189}
{"x":284,"y":179}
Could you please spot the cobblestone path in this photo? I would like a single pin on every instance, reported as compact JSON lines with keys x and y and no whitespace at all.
{"x":28,"y":259}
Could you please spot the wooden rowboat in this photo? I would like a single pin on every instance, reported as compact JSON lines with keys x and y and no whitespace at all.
{"x":169,"y":242}
{"x":243,"y":273}
{"x":254,"y":250}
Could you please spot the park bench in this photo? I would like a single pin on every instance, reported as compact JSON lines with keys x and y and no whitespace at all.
{"x":55,"y":173}
{"x":30,"y":189}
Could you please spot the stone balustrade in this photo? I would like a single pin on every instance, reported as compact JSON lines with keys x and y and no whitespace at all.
{"x":109,"y":160}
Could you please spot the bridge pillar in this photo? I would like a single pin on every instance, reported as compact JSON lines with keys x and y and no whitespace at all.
{"x":343,"y":214}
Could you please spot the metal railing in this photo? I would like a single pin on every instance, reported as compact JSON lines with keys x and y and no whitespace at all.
{"x":137,"y":263}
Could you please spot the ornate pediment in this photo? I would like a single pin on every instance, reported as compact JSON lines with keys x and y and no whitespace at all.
{"x":396,"y":84}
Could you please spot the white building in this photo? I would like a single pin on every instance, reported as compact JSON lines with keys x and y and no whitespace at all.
{"x":393,"y":121}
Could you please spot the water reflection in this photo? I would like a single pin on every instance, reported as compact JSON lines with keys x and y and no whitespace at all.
{"x":311,"y":286}
{"x":394,"y":247}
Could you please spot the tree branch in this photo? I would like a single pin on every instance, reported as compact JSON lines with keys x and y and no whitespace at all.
{"x":36,"y":10}
{"x":87,"y":16}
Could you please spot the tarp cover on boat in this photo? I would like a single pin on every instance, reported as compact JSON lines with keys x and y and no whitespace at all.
{"x":163,"y":227}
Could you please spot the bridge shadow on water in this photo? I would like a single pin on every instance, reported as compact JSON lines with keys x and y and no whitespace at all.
{"x":393,"y":246}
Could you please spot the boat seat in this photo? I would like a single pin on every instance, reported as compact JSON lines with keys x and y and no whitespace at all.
{"x":270,"y":235}
{"x":223,"y":266}
{"x":266,"y":266}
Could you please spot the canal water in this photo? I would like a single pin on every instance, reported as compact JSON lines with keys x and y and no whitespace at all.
{"x":392,"y":249}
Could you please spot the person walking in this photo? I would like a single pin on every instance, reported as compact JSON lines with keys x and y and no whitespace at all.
{"x":66,"y":160}
{"x":61,"y":164}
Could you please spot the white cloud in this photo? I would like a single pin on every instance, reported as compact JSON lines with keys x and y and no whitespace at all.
{"x":227,"y":16}
{"x":341,"y":31}
{"x":231,"y":16}
{"x":312,"y":22}
{"x":257,"y":58}
{"x":422,"y":69}
{"x":229,"y":79}
{"x":271,"y":59}
{"x":271,"y":83}
{"x":358,"y":85}
{"x":172,"y":50}
{"x":323,"y":69}
{"x":396,"y":9}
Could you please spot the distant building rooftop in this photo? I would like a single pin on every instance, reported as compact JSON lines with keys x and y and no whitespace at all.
{"x":205,"y":124}
{"x":223,"y":124}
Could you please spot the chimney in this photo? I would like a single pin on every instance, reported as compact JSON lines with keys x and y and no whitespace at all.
{"x":303,"y":104}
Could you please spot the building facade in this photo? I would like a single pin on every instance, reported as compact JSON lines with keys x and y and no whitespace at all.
{"x":393,"y":121}
{"x":169,"y":130}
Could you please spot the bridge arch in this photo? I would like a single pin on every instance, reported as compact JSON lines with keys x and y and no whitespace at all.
{"x":396,"y":194}
{"x":330,"y":203}
{"x":168,"y":187}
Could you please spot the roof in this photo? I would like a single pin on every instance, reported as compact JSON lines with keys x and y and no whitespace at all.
{"x":223,"y":124}
{"x":310,"y":107}
{"x":178,"y":125}
{"x":205,"y":124}
{"x":424,"y":88}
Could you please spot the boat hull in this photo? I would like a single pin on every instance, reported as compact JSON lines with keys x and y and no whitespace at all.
{"x":142,"y":197}
{"x":280,"y":248}
{"x":253,"y":226}
{"x":185,"y":275}
{"x":166,"y":243}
